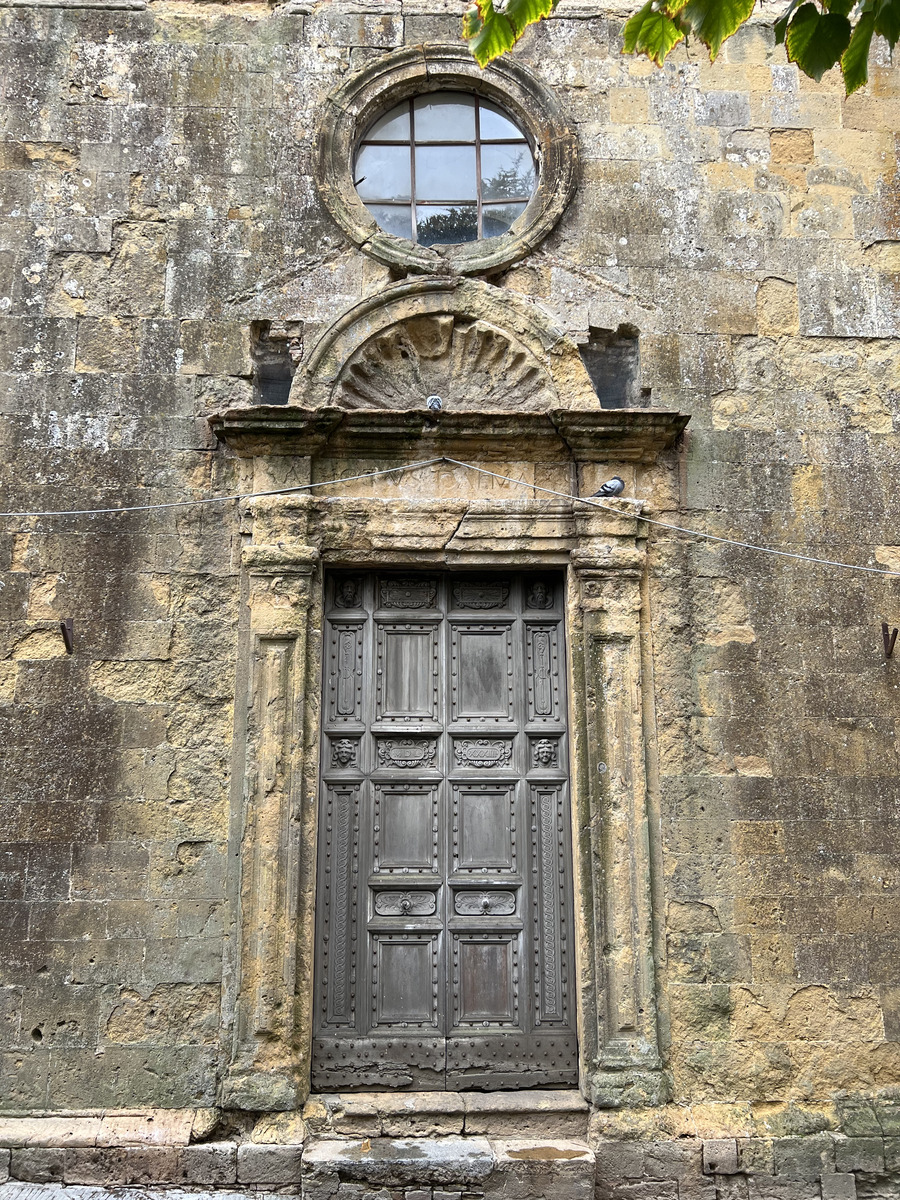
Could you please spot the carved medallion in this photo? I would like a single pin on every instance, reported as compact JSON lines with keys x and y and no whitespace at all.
{"x":487,"y":904}
{"x":407,"y":752}
{"x":343,"y":753}
{"x":401,"y":904}
{"x":408,"y":593}
{"x":483,"y":752}
{"x":544,"y":753}
{"x":540,"y":595}
{"x":480,"y":595}
{"x":346,"y":593}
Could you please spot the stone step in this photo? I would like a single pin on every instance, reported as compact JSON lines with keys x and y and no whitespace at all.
{"x":536,"y":1114}
{"x":447,"y":1168}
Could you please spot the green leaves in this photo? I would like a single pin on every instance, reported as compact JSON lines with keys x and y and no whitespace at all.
{"x":653,"y":32}
{"x":818,"y":34}
{"x":491,"y":31}
{"x":815,"y":41}
{"x":855,"y":59}
{"x":712,"y":21}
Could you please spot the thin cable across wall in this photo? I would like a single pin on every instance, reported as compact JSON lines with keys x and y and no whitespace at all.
{"x":430,"y":462}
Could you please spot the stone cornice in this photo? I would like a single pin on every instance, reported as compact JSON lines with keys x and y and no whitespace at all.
{"x":623,"y":435}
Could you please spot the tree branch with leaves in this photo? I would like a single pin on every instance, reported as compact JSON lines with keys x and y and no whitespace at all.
{"x":817,"y":34}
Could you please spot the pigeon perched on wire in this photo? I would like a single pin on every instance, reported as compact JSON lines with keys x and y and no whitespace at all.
{"x":612,"y":487}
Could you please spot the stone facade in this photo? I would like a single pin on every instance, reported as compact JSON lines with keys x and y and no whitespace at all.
{"x":176,"y":237}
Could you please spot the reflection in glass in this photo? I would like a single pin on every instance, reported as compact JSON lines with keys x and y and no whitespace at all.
{"x":445,"y":173}
{"x":393,"y":218}
{"x":392,"y":127}
{"x":496,"y":125}
{"x":445,"y":117}
{"x":444,"y":168}
{"x":446,"y":226}
{"x":497,"y":218}
{"x":507,"y":172}
{"x":382,"y":173}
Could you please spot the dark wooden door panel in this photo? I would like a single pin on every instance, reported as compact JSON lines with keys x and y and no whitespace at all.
{"x":444,"y":911}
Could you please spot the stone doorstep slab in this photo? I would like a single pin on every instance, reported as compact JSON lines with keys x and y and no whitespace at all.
{"x":154,"y":1127}
{"x":407,"y":1103}
{"x":568,"y":1166}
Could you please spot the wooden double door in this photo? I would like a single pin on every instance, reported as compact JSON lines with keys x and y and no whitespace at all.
{"x":444,"y":929}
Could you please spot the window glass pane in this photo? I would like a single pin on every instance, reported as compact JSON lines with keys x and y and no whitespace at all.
{"x":393,"y":218}
{"x":445,"y":173}
{"x":442,"y":225}
{"x":445,"y":117}
{"x":382,"y":173}
{"x":392,"y":127}
{"x":495,"y":124}
{"x":507,"y":172}
{"x":497,"y":218}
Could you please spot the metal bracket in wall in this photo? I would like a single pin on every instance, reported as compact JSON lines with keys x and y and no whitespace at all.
{"x":68,"y":631}
{"x":889,"y":639}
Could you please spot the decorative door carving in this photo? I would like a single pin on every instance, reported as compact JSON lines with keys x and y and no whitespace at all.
{"x":444,"y":934}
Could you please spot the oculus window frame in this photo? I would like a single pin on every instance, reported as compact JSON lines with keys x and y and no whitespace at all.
{"x":370,"y":94}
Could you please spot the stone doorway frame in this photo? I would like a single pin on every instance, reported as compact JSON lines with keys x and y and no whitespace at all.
{"x":267,"y":1006}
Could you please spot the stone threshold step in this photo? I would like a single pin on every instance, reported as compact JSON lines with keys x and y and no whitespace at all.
{"x":530,"y":1114}
{"x":468,"y":1168}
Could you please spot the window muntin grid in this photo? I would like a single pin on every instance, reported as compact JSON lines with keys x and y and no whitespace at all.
{"x":444,"y":168}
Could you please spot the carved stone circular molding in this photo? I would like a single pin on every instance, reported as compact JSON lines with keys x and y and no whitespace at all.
{"x":408,"y":72}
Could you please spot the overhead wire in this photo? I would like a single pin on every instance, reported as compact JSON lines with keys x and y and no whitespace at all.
{"x":590,"y":501}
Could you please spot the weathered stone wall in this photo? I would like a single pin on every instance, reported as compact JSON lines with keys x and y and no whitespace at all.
{"x":158,"y":196}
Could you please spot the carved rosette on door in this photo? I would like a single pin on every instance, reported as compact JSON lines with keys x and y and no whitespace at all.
{"x":444,"y":933}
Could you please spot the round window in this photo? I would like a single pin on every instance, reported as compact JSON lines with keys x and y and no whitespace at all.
{"x":430,"y":164}
{"x":445,"y":168}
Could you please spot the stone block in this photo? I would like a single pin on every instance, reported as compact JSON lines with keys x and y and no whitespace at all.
{"x":777,"y":1187}
{"x":211,"y":1164}
{"x":803,"y":1157}
{"x":720,"y":1156}
{"x":681,"y":1159}
{"x":268,"y":1164}
{"x":858,"y":1154}
{"x":215,"y":348}
{"x":37,"y":1164}
{"x":839,"y":1187}
{"x":49,"y":1131}
{"x":538,"y":1114}
{"x":565,"y":1170}
{"x":281,"y":1129}
{"x":4,"y":1165}
{"x":394,"y":1162}
{"x":618,"y":1162}
{"x":122,"y":1165}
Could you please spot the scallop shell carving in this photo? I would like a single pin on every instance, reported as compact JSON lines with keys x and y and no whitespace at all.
{"x":469,"y":364}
